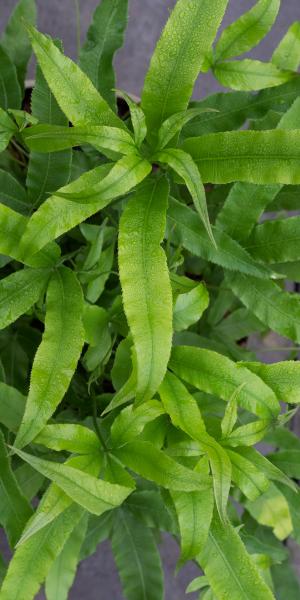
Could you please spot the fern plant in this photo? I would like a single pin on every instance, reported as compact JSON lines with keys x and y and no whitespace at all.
{"x":134,"y":265}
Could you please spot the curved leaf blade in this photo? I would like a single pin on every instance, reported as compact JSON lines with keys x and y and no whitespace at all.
{"x":287,"y":53}
{"x":247,"y":75}
{"x":19,"y":292}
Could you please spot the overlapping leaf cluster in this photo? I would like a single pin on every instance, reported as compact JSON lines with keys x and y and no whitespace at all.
{"x":134,"y":265}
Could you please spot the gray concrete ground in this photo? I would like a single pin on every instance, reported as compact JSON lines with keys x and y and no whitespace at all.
{"x":97,"y":578}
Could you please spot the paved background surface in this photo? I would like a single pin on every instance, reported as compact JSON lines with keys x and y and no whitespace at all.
{"x":97,"y":578}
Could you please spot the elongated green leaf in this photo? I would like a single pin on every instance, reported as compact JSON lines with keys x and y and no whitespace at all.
{"x":229,"y":568}
{"x":231,"y":413}
{"x":99,"y":529}
{"x":293,"y":501}
{"x":12,"y":227}
{"x":137,"y":558}
{"x":12,"y":405}
{"x":95,"y":495}
{"x":13,"y":194}
{"x":15,"y":510}
{"x":70,"y":437}
{"x":57,"y":356}
{"x":81,"y":199}
{"x":73,"y":90}
{"x":15,"y":40}
{"x":265,"y":466}
{"x":104,"y":37}
{"x":189,"y":307}
{"x":155,"y":465}
{"x":287,"y":53}
{"x":138,"y":119}
{"x":63,"y":570}
{"x":282,"y":377}
{"x":273,"y":306}
{"x":248,"y":74}
{"x":145,"y":284}
{"x":271,"y":509}
{"x":287,"y":461}
{"x":248,"y":435}
{"x":245,"y":33}
{"x":32,"y":561}
{"x":238,"y":325}
{"x":7,"y":129}
{"x":50,"y":138}
{"x":247,"y":477}
{"x":276,"y":241}
{"x":55,"y":501}
{"x":175,"y":123}
{"x":185,"y":167}
{"x":256,"y":156}
{"x":184,"y":413}
{"x":178,"y":58}
{"x":46,"y":173}
{"x":19,"y":292}
{"x":194,"y":238}
{"x":10,"y":91}
{"x":29,"y":481}
{"x":131,"y":422}
{"x":194,"y":512}
{"x":216,"y":374}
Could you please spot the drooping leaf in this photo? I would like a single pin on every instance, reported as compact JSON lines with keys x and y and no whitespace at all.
{"x":15,"y":510}
{"x":280,"y":310}
{"x":137,"y":558}
{"x":229,"y":568}
{"x":287,"y":461}
{"x":248,"y":74}
{"x":73,"y":90}
{"x":271,"y":509}
{"x":68,"y":436}
{"x":184,"y":413}
{"x":178,"y":58}
{"x":194,"y":512}
{"x":275,"y":241}
{"x":282,"y":377}
{"x":192,"y":235}
{"x":145,"y":284}
{"x":265,"y":466}
{"x":99,"y":529}
{"x":138,"y":119}
{"x":216,"y":374}
{"x":10,"y":91}
{"x":19,"y":292}
{"x":63,"y":570}
{"x":94,"y":495}
{"x":189,"y":307}
{"x":15,"y":40}
{"x":287,"y":53}
{"x":104,"y":37}
{"x":153,"y":464}
{"x":185,"y":167}
{"x":247,"y":31}
{"x":57,"y":355}
{"x":81,"y":199}
{"x":255,"y":156}
{"x":247,"y":477}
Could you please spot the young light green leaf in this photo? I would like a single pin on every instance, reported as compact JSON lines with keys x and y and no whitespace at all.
{"x":229,"y":568}
{"x":19,"y":292}
{"x":32,"y":561}
{"x":62,"y":573}
{"x":10,"y":91}
{"x":104,"y":37}
{"x":194,"y":512}
{"x":231,"y":413}
{"x":178,"y":58}
{"x":194,"y":238}
{"x":81,"y":199}
{"x":138,"y":119}
{"x":155,"y":465}
{"x":185,"y":167}
{"x":248,"y":435}
{"x":54,"y":138}
{"x":184,"y":413}
{"x":29,"y":481}
{"x":57,"y":355}
{"x":256,"y":156}
{"x":73,"y":90}
{"x":95,"y":495}
{"x":247,"y":477}
{"x":46,"y":173}
{"x":146,"y":290}
{"x":287,"y":53}
{"x":282,"y":377}
{"x":197,"y":584}
{"x":137,"y":558}
{"x":271,"y":509}
{"x":275,"y":241}
{"x":131,"y":422}
{"x":15,"y":510}
{"x":15,"y":40}
{"x":175,"y":123}
{"x":248,"y":74}
{"x":216,"y":374}
{"x":68,"y":436}
{"x":189,"y":307}
{"x":265,"y":466}
{"x":245,"y":33}
{"x":280,"y":310}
